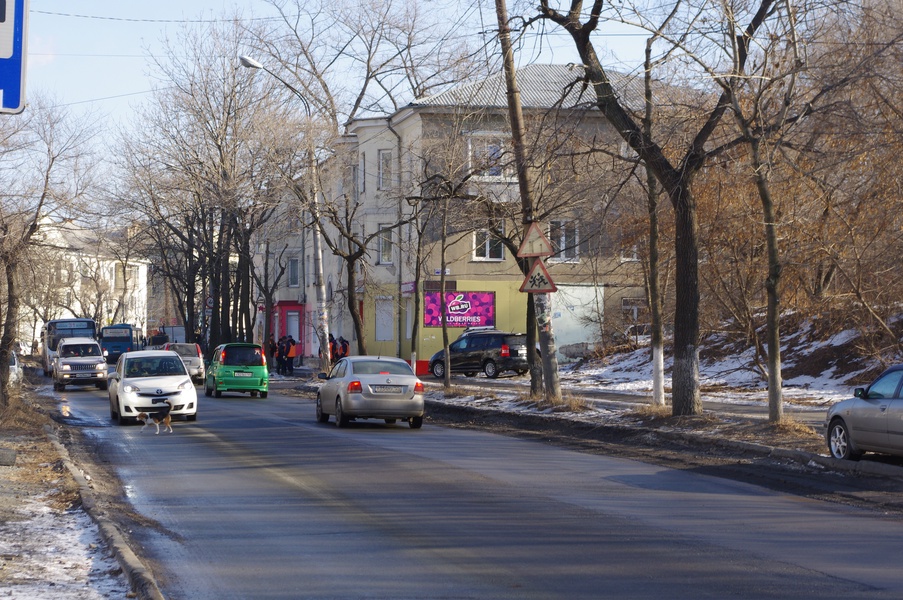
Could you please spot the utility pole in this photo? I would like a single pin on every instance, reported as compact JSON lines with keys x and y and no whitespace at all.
{"x":541,"y":301}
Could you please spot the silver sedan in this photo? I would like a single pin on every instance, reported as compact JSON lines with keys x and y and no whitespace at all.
{"x":371,"y":387}
{"x":871,"y":421}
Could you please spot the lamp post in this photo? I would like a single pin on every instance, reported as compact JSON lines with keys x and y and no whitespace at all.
{"x":314,"y":203}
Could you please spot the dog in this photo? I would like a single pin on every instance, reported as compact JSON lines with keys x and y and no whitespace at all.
{"x":160,"y":416}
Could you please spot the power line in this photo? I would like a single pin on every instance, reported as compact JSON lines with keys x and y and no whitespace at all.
{"x":133,"y":20}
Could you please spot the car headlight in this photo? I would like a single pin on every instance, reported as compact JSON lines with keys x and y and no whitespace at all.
{"x":186,"y":385}
{"x":100,"y":366}
{"x":65,"y":368}
{"x":130,"y":388}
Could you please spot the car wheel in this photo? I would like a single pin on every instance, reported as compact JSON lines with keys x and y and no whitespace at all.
{"x":521,"y":372}
{"x":113,"y":414}
{"x":390,"y":421}
{"x":491,"y":369}
{"x":322,"y":417}
{"x":839,"y":441}
{"x":340,"y":419}
{"x":193,"y":417}
{"x":438,"y":369}
{"x":470,"y":374}
{"x":253,"y":393}
{"x":208,"y":391}
{"x":101,"y":385}
{"x":415,"y":422}
{"x":119,"y":418}
{"x":264,"y":394}
{"x":216,"y":392}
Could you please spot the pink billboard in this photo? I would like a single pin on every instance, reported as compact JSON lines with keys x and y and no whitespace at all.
{"x":463,"y":309}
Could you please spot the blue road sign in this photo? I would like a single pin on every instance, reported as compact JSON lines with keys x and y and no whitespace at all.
{"x":13,"y":20}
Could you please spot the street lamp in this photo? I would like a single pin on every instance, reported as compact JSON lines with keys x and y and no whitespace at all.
{"x":313,"y":199}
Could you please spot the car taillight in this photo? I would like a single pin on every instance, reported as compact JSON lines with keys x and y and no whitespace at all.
{"x":198,"y":348}
{"x":264,"y":357}
{"x":418,"y":387}
{"x":222,"y":356}
{"x":354,"y":387}
{"x":506,"y":351}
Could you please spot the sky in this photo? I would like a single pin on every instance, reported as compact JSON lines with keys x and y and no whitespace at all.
{"x":92,"y":55}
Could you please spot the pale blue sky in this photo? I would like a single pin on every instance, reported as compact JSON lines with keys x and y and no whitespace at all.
{"x":91,"y":54}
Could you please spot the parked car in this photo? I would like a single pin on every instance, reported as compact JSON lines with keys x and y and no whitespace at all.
{"x":15,"y":369}
{"x":192,"y":357}
{"x":371,"y":387}
{"x":871,"y":421}
{"x":145,"y":379}
{"x":79,"y":361}
{"x":492,"y":352}
{"x":238,"y":367}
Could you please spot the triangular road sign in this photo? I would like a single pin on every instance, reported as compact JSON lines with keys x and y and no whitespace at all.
{"x":538,"y":280}
{"x":535,"y":243}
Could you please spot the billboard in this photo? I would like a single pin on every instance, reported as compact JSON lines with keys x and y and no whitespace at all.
{"x":463,"y":309}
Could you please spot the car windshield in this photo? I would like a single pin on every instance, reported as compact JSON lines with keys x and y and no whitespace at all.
{"x":243,"y":356}
{"x":379,"y":367}
{"x":186,"y":350}
{"x":76,"y":350}
{"x":154,"y":366}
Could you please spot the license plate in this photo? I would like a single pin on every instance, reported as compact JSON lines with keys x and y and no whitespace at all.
{"x":387,"y":389}
{"x":237,"y":374}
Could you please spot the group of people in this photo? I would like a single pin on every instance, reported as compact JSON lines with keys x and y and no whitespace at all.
{"x":337,"y":349}
{"x":283,"y":352}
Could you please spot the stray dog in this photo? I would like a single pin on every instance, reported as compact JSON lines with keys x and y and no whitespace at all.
{"x":160,"y":416}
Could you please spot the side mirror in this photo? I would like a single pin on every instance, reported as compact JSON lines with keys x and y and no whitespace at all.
{"x":859,"y":392}
{"x":322,"y":376}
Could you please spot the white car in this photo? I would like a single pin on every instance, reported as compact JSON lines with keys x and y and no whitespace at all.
{"x":146,"y":379}
{"x":15,"y":369}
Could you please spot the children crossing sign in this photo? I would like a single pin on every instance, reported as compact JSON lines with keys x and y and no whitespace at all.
{"x":538,"y":280}
{"x":13,"y":27}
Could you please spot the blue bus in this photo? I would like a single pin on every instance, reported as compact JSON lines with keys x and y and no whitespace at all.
{"x":55,"y":330}
{"x":116,"y":339}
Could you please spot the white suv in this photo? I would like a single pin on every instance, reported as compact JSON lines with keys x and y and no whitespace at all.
{"x":79,"y":361}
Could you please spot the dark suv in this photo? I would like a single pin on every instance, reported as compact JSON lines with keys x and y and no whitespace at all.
{"x":492,"y":352}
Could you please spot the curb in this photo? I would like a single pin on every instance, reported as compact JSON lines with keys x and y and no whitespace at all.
{"x":141,"y":579}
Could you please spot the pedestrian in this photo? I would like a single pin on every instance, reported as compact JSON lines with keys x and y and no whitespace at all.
{"x":333,"y":349}
{"x":290,"y":356}
{"x":271,"y":349}
{"x":282,"y":349}
{"x":343,"y":347}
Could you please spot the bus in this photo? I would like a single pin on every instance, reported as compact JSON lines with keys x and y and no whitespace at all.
{"x":119,"y":338}
{"x":55,"y":330}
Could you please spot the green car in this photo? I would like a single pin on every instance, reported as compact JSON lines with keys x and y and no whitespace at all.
{"x":237,"y":368}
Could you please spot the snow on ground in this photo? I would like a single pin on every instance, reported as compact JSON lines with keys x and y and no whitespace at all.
{"x":56,"y":556}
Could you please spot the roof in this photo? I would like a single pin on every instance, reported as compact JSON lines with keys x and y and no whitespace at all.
{"x":541,"y":86}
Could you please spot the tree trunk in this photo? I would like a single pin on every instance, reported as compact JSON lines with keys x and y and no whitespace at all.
{"x":685,"y":397}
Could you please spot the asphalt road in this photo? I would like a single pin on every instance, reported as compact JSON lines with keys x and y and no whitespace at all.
{"x":257,"y":500}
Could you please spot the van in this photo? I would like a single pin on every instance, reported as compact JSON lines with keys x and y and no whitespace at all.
{"x":237,"y":367}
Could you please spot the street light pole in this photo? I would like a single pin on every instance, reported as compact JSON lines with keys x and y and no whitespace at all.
{"x":314,"y":205}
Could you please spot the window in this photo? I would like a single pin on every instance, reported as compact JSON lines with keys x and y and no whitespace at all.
{"x":385,"y":320}
{"x":384,"y":176}
{"x":487,"y":156}
{"x":486,"y":246}
{"x":294,"y":273}
{"x":385,"y":244}
{"x":565,"y":243}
